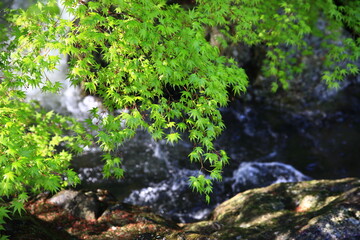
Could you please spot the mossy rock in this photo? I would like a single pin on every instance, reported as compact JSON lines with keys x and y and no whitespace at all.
{"x":319,"y":209}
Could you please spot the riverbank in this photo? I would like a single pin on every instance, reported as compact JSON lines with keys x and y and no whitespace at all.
{"x":318,"y":209}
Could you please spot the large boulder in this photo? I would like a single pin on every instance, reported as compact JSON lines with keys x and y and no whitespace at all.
{"x":319,"y":209}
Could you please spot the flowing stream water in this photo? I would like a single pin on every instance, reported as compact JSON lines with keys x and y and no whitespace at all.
{"x":266,"y":145}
